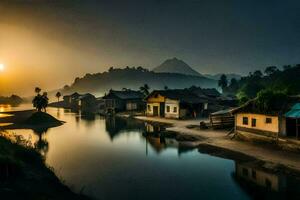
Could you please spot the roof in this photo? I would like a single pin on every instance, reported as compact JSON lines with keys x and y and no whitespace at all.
{"x":276,"y":109}
{"x":211,"y":92}
{"x":87,"y":95}
{"x":126,"y":94}
{"x":74,"y":95}
{"x":183,"y":95}
{"x":204,"y":92}
{"x":294,"y":112}
{"x":223,"y":112}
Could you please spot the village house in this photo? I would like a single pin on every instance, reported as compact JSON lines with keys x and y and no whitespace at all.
{"x":280,"y":121}
{"x":215,"y":100}
{"x":86,"y":102}
{"x":70,"y":100}
{"x":176,"y":104}
{"x":125,"y":100}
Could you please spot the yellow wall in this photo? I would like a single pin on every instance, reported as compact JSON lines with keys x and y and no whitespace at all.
{"x":260,"y":177}
{"x":150,"y":112}
{"x":260,"y":122}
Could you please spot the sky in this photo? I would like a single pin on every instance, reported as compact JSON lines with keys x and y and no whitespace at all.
{"x":48,"y":43}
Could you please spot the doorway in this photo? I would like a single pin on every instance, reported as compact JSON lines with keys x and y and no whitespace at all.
{"x":155,"y":111}
{"x":292,"y":127}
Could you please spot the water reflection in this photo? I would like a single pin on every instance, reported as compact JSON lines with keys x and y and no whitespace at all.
{"x":116,"y":158}
{"x":42,"y":145}
{"x":261,"y":183}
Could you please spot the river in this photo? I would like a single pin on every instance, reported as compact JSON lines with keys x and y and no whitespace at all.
{"x":114,"y":159}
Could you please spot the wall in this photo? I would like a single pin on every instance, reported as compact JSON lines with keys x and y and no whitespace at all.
{"x":260,"y":122}
{"x":172,"y":104}
{"x":151,"y":105}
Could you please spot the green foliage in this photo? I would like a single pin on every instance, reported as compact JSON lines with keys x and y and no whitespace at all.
{"x":286,"y":81}
{"x":268,"y":100}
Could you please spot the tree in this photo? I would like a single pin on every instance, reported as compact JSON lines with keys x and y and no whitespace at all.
{"x":166,"y":87}
{"x":286,"y":67}
{"x":233,"y":84}
{"x":145,"y":89}
{"x":40,"y":102}
{"x":37,"y":90}
{"x":271,"y":70}
{"x":223,"y":82}
{"x":58,"y":95}
{"x":258,"y":74}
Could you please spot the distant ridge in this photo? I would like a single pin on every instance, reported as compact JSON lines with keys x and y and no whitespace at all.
{"x":229,"y":76}
{"x":133,"y":78}
{"x":175,"y":65}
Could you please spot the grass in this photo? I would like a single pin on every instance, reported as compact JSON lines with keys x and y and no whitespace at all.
{"x":24,"y":175}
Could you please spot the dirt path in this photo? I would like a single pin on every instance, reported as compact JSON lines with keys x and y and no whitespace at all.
{"x":220,"y":139}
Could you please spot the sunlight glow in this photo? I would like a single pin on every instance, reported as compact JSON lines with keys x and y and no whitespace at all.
{"x":2,"y":67}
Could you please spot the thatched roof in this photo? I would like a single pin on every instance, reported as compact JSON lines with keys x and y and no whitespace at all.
{"x":182,"y":95}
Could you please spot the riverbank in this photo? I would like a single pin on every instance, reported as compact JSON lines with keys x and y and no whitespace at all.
{"x":202,"y":139}
{"x":28,"y":119}
{"x":24,"y":175}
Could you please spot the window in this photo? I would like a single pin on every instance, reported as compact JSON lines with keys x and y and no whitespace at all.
{"x":253,"y":122}
{"x":245,"y":120}
{"x":168,"y":108}
{"x":175,"y":110}
{"x":149,"y":108}
{"x":268,"y":120}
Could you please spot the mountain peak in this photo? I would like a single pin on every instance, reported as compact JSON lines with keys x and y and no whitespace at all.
{"x":175,"y":65}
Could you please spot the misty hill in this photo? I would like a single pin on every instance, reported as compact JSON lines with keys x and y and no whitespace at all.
{"x":133,"y":78}
{"x":176,"y":66}
{"x":13,"y":100}
{"x":229,"y":76}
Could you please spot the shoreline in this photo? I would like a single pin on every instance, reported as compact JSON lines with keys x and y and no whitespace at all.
{"x":28,"y":176}
{"x":212,"y":141}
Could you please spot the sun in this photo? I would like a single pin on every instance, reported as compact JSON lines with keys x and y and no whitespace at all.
{"x":2,"y":67}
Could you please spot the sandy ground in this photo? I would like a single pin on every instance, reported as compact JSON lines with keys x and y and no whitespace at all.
{"x":220,"y":138}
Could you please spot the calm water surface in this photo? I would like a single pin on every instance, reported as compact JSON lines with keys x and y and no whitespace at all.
{"x":117,"y":159}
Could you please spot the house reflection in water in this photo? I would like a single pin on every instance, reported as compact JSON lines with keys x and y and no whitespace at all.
{"x":264,"y":184}
{"x":116,"y":126}
{"x":156,"y":137}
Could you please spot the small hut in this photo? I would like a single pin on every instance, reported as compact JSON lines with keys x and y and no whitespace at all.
{"x":222,"y":119}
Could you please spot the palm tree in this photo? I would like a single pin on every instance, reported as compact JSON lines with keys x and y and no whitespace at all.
{"x":145,"y":89}
{"x":37,"y":90}
{"x":58,"y":95}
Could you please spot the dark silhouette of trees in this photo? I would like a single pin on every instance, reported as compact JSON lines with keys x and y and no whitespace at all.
{"x":166,"y":87}
{"x":58,"y":95}
{"x":40,"y":102}
{"x":258,"y":74}
{"x":271,"y":70}
{"x":223,"y":82}
{"x":145,"y":89}
{"x":286,"y":67}
{"x":37,"y":90}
